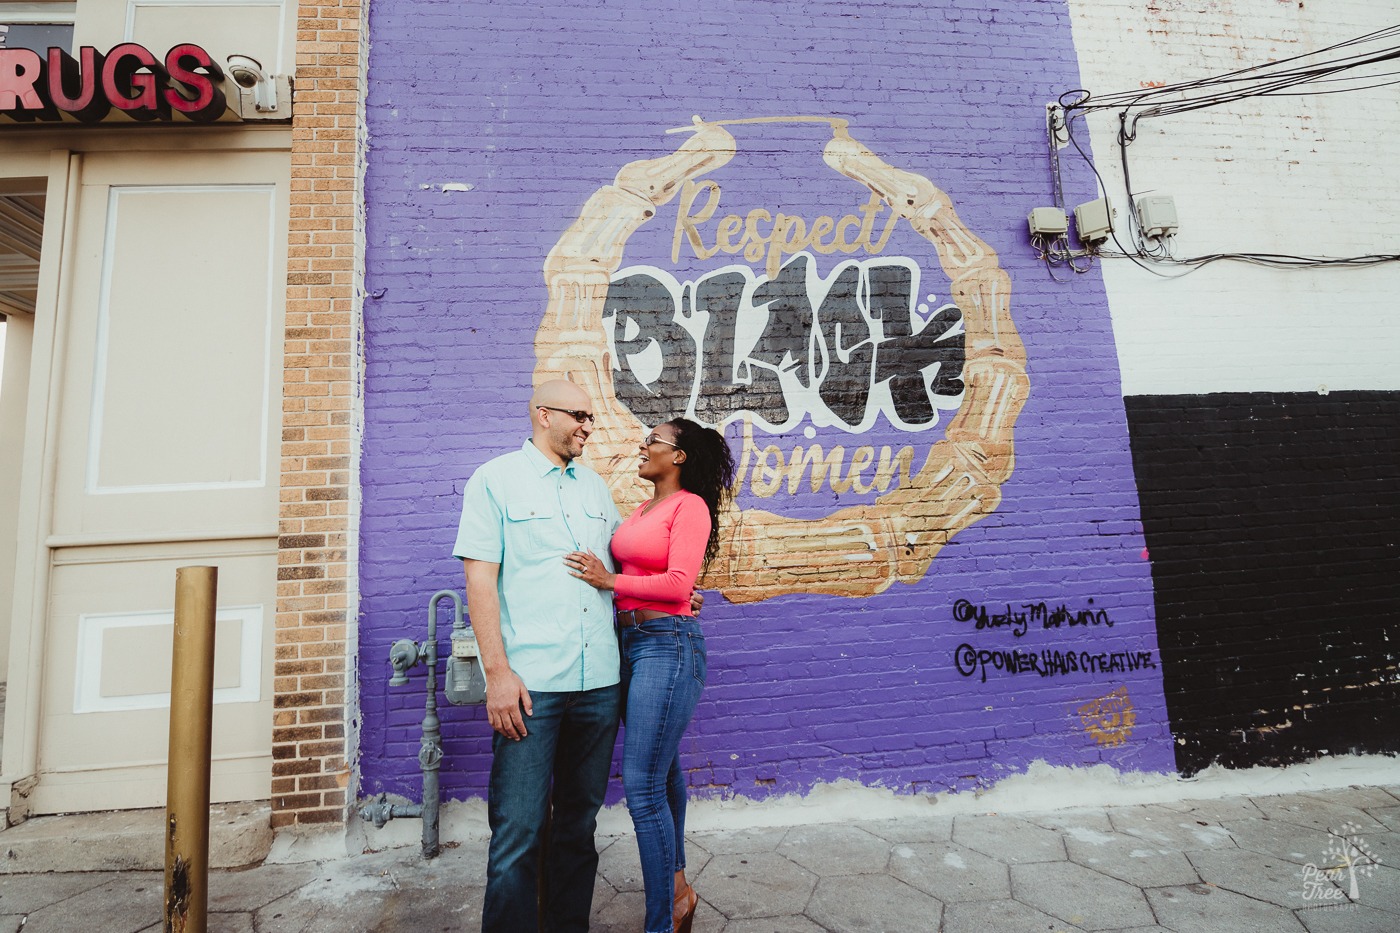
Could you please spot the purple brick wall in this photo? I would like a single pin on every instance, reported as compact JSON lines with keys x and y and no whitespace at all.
{"x":534,"y":108}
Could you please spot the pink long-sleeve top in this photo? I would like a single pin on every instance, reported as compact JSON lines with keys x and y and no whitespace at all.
{"x":659,"y":553}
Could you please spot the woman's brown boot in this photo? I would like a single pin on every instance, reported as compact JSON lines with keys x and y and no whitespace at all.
{"x":683,"y":910}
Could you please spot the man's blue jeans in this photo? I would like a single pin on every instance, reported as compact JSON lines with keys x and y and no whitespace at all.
{"x":570,"y":743}
{"x":663,"y":670}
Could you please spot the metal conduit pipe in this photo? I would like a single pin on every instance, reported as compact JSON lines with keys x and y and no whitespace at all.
{"x":465,"y":685}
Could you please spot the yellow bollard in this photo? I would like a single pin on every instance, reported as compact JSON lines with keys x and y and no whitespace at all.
{"x":191,"y":730}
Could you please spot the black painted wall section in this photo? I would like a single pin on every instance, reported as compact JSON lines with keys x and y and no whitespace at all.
{"x":1273,"y":525}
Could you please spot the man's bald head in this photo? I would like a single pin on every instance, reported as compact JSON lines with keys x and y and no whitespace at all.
{"x":561,"y":418}
{"x":560,"y":393}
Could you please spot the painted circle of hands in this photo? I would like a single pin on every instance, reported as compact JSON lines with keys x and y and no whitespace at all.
{"x":858,"y":550}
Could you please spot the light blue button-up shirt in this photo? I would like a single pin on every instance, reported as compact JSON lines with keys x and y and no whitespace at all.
{"x":523,"y":512}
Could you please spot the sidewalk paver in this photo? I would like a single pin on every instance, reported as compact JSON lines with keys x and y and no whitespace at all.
{"x":1203,"y":908}
{"x":1216,"y":811}
{"x":1080,"y":896}
{"x":950,"y":872}
{"x":874,"y":903}
{"x":1280,"y":838}
{"x":25,"y":894}
{"x":127,"y":904}
{"x":1253,"y":874}
{"x":1169,"y":829}
{"x":775,"y":925}
{"x":836,"y":850}
{"x":1347,"y":918}
{"x":1388,"y":816}
{"x":742,"y":841}
{"x":1130,"y":859}
{"x":1009,"y":839}
{"x":760,"y":884}
{"x":1324,"y":815}
{"x":254,"y":888}
{"x":922,"y":829}
{"x":1003,"y":916}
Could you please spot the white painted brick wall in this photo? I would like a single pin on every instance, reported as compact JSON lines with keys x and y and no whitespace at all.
{"x":1300,"y":175}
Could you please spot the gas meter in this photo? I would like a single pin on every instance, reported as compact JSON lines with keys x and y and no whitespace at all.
{"x":466,"y":680}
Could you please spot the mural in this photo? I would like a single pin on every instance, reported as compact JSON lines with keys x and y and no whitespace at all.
{"x":845,"y":348}
{"x":934,"y":573}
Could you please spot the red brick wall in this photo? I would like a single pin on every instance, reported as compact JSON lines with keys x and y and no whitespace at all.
{"x":311,"y":750}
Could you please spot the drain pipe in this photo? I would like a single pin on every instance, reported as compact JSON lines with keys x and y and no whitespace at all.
{"x":465,"y":685}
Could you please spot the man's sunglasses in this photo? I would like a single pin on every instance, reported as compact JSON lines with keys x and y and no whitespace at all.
{"x":579,"y":416}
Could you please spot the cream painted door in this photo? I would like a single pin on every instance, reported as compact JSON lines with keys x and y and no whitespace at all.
{"x":166,"y":455}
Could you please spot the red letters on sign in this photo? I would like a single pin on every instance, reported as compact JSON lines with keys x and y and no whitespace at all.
{"x":20,"y":70}
{"x":128,"y":78}
{"x":208,"y":101}
{"x":80,"y":78}
{"x":130,"y":68}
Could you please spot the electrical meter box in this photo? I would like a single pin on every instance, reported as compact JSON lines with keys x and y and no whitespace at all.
{"x":1048,"y":221}
{"x":1156,"y":215}
{"x":1094,"y":220}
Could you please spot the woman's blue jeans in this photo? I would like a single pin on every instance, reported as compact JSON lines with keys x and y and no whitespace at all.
{"x":663,"y":671}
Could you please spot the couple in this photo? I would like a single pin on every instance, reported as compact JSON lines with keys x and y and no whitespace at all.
{"x":546,"y":556}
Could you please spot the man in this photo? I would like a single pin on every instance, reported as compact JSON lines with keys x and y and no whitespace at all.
{"x":550,"y":656}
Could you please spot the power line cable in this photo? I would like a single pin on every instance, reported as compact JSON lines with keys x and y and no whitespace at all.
{"x":1282,"y":78}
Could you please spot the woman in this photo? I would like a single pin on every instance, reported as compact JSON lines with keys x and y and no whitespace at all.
{"x":660,"y":550}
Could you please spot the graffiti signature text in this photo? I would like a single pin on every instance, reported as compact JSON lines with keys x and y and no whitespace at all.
{"x":1047,"y":662}
{"x":1027,"y":614}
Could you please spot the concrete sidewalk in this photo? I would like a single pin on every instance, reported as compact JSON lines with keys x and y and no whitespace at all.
{"x":1242,"y":863}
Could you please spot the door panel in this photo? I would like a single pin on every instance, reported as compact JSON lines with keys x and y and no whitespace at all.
{"x":172,"y":371}
{"x":107,"y":679}
{"x":166,"y":456}
{"x":182,"y":360}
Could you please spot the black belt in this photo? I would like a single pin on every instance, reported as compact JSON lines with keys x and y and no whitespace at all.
{"x":630,"y":617}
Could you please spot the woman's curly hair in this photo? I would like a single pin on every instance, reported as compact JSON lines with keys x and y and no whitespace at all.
{"x":708,"y":471}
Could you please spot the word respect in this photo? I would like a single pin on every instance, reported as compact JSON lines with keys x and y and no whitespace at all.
{"x":760,"y":234}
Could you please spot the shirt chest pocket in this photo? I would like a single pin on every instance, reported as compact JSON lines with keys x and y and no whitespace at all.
{"x":529,"y":523}
{"x":596,"y":529}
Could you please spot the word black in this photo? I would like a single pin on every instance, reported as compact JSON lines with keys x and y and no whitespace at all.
{"x":846,"y":348}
